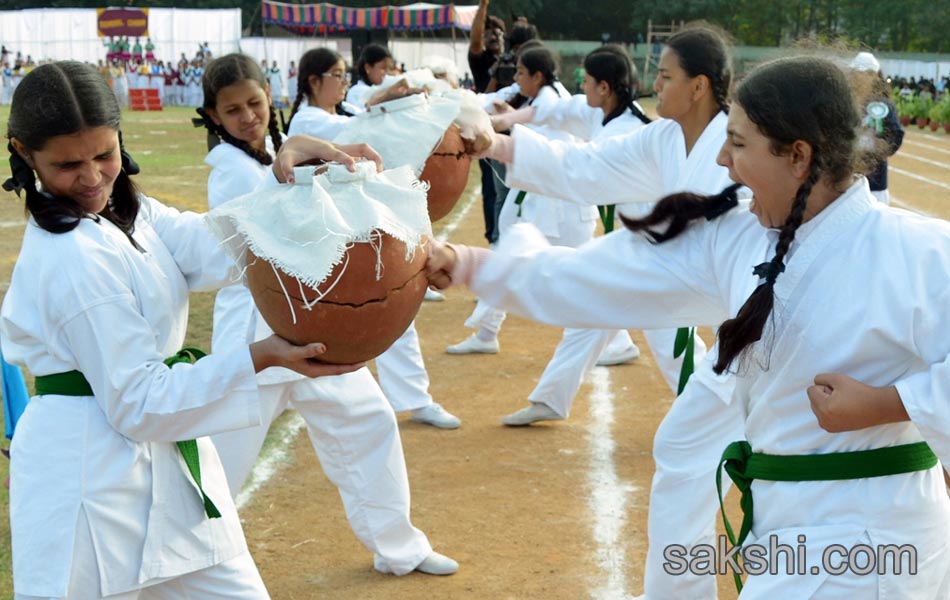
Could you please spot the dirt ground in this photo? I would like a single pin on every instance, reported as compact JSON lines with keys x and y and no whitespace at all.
{"x":512,"y":505}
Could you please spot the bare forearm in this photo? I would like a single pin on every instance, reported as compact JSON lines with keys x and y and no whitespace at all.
{"x":477,"y":42}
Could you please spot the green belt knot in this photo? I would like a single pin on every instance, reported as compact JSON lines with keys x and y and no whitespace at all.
{"x":744,"y":466}
{"x":74,"y":383}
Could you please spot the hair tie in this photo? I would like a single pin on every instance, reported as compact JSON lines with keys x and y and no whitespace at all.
{"x":22,"y":173}
{"x":722,"y":203}
{"x":769,"y":271}
{"x":203,"y":120}
{"x":128,"y":163}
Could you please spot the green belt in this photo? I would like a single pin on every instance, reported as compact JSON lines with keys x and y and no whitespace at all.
{"x":684,"y":345}
{"x":743,"y":466}
{"x":74,"y":383}
{"x":607,"y":216}
{"x":519,"y":200}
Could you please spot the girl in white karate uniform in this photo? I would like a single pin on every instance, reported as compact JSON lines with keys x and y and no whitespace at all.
{"x":374,"y":63}
{"x":319,"y":110}
{"x":844,"y":314}
{"x":564,"y":224}
{"x":676,"y":153}
{"x":105,"y":498}
{"x":351,"y":426}
{"x":606,"y":109}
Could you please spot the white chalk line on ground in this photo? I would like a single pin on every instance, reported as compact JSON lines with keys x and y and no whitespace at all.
{"x":929,"y":161}
{"x":272,"y":460}
{"x":275,"y":457}
{"x":7,"y":224}
{"x":913,"y":175}
{"x":608,"y":494}
{"x":908,"y":142}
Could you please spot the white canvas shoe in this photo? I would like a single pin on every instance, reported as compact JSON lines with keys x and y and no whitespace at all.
{"x":434,"y":295}
{"x":436,"y":416}
{"x":534,"y":412}
{"x":438,"y":564}
{"x":629,"y":353}
{"x":473,"y":345}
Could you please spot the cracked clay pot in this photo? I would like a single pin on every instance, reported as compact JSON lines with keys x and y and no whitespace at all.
{"x":359,"y":317}
{"x":446,"y":171}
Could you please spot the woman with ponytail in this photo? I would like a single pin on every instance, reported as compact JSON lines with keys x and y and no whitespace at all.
{"x":563,"y":224}
{"x":346,"y":416}
{"x":606,"y":109}
{"x":828,"y":303}
{"x":374,"y":63}
{"x":319,"y":108}
{"x":111,"y":494}
{"x":675,"y":153}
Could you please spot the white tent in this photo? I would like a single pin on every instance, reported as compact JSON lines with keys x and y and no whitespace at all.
{"x":71,"y":33}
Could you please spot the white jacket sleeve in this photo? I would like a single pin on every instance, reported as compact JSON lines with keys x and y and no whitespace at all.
{"x":612,"y":171}
{"x":926,"y":299}
{"x":618,"y":281}
{"x":572,"y":115}
{"x":199,"y":255}
{"x":114,"y":346}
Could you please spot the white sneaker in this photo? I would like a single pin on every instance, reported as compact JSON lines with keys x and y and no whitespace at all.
{"x":434,"y":295}
{"x":438,"y":564}
{"x":536,"y":411}
{"x":436,"y":416}
{"x":629,"y":353}
{"x":473,"y":345}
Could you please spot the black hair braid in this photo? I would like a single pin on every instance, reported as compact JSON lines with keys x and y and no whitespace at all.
{"x":738,"y":333}
{"x":302,"y":90}
{"x":55,"y":217}
{"x":632,"y":105}
{"x":260,"y":156}
{"x":720,"y":89}
{"x":340,"y":110}
{"x":274,"y":129}
{"x":626,"y":99}
{"x":679,"y":210}
{"x":63,"y":214}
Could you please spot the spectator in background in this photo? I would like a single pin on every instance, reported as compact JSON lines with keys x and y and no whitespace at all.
{"x":486,"y":45}
{"x":883,"y":132}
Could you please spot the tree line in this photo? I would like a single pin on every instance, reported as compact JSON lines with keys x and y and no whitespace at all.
{"x":906,"y":25}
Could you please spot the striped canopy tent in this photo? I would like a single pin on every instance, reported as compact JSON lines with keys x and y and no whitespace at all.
{"x":309,"y":19}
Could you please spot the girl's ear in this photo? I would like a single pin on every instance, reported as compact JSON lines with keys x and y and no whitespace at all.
{"x":701,"y":85}
{"x":800,"y":157}
{"x":313,"y":80}
{"x":603,"y":88}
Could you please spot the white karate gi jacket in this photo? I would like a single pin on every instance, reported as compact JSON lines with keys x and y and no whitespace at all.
{"x":568,"y":224}
{"x":865,"y":293}
{"x":88,"y":300}
{"x":312,"y":120}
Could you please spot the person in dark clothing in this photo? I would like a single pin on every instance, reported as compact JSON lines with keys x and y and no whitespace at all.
{"x":487,"y":44}
{"x":880,"y":118}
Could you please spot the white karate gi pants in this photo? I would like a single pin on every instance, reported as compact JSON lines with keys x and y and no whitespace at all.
{"x":356,"y":438}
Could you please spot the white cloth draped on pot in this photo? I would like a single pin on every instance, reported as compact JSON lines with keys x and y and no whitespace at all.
{"x":306,"y":228}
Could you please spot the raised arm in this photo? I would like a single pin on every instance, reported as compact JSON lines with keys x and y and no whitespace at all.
{"x":615,"y":170}
{"x":476,"y":44}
